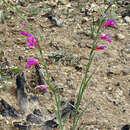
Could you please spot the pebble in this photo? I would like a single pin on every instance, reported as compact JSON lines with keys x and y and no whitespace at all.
{"x":22,"y":126}
{"x":85,"y":19}
{"x":119,"y":36}
{"x":127,"y":19}
{"x":82,"y":44}
{"x":94,"y":7}
{"x":51,"y":124}
{"x":125,"y":13}
{"x":126,"y":127}
{"x":34,"y":118}
{"x":0,"y":14}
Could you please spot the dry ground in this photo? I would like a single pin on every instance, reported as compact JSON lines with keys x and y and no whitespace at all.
{"x":109,"y":87}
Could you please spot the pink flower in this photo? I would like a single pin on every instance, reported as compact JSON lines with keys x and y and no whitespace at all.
{"x":104,"y":36}
{"x":31,"y":41}
{"x":31,"y":62}
{"x":42,"y":87}
{"x":24,"y":24}
{"x":109,"y":22}
{"x":30,"y":38}
{"x":25,"y":34}
{"x":100,"y":47}
{"x":106,"y":14}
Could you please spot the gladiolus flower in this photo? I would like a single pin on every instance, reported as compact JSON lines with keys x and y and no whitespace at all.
{"x":42,"y":87}
{"x":109,"y":22}
{"x":30,"y":38}
{"x":104,"y":36}
{"x":100,"y":47}
{"x":31,"y":41}
{"x":25,"y":34}
{"x":31,"y":62}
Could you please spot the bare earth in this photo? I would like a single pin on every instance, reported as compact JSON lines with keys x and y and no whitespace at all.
{"x":109,"y":87}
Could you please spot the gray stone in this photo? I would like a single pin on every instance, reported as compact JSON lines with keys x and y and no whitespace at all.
{"x":127,"y":19}
{"x":119,"y":36}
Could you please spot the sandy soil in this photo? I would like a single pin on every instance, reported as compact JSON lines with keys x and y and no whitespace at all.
{"x":109,"y":87}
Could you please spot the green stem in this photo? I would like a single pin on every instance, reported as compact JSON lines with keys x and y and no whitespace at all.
{"x":42,"y":63}
{"x":58,"y":111}
{"x":52,"y":88}
{"x":84,"y":82}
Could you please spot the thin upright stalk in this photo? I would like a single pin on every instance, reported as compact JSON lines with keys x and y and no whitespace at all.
{"x":85,"y":81}
{"x":20,"y":14}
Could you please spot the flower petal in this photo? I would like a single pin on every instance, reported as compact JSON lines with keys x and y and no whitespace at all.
{"x":31,"y":62}
{"x":42,"y":87}
{"x":25,"y":33}
{"x":109,"y":22}
{"x":30,"y":38}
{"x":104,"y":36}
{"x":100,"y":47}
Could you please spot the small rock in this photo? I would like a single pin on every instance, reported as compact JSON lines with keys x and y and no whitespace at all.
{"x":22,"y":126}
{"x":7,"y":110}
{"x":78,"y":68}
{"x":67,"y":111}
{"x":84,"y":20}
{"x":109,"y":74}
{"x":120,"y":36}
{"x":33,"y":98}
{"x":127,"y":19}
{"x":37,"y":112}
{"x":94,"y":7}
{"x":82,"y":10}
{"x":63,"y":101}
{"x":126,"y":127}
{"x":51,"y":124}
{"x":125,"y":13}
{"x":82,"y":44}
{"x":33,"y":118}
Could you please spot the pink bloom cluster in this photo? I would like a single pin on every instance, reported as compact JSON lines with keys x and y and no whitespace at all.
{"x":30,"y":38}
{"x":31,"y":62}
{"x":31,"y":42}
{"x":109,"y":22}
{"x":105,"y":36}
{"x":42,"y":87}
